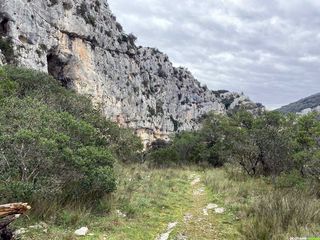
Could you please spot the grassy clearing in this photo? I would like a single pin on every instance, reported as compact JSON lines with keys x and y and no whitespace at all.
{"x":150,"y":199}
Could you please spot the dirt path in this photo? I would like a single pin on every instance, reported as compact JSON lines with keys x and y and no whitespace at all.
{"x":201,"y":221}
{"x":153,"y":204}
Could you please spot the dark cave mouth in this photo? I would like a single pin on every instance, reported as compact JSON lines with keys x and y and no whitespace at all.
{"x":56,"y":69}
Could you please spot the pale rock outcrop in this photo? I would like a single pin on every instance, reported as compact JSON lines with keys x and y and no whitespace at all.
{"x":82,"y":45}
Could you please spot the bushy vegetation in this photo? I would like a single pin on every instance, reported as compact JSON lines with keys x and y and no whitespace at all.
{"x":7,"y":49}
{"x":54,"y":146}
{"x":265,"y":145}
{"x":273,"y":168}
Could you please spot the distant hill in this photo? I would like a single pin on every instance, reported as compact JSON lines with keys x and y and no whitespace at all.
{"x":304,"y":105}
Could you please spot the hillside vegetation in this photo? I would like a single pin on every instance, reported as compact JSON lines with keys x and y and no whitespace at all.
{"x":54,"y":146}
{"x":57,"y":152}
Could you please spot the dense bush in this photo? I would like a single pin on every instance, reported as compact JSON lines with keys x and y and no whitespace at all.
{"x":307,"y":145}
{"x":7,"y":49}
{"x":261,"y":145}
{"x":53,"y":143}
{"x":270,"y":144}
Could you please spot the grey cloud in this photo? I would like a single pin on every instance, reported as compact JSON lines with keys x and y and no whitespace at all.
{"x":270,"y":50}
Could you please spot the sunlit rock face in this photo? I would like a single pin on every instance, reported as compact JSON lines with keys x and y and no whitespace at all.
{"x":82,"y":45}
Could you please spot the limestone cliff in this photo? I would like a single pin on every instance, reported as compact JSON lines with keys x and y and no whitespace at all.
{"x":82,"y":45}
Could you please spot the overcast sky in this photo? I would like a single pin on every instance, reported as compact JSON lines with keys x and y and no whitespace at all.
{"x":268,"y":49}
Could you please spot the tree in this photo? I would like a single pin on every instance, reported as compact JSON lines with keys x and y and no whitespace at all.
{"x":307,"y":145}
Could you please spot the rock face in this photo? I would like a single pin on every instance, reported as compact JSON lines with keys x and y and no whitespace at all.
{"x":82,"y":45}
{"x":303,"y":106}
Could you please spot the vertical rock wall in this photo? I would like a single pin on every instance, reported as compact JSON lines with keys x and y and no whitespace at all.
{"x":82,"y":45}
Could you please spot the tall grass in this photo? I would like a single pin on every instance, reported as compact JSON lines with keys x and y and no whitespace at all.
{"x":281,"y":215}
{"x":263,"y":211}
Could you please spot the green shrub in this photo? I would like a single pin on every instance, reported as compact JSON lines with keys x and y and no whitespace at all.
{"x":13,"y":190}
{"x":7,"y":50}
{"x":291,"y":180}
{"x":163,"y":157}
{"x":54,"y":146}
{"x":44,"y":146}
{"x":185,"y":148}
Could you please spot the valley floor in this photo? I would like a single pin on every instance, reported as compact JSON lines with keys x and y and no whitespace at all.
{"x":159,"y":204}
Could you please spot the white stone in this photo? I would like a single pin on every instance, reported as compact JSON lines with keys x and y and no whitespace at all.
{"x":165,"y":236}
{"x":211,"y":206}
{"x":81,"y":231}
{"x":37,"y":226}
{"x":219,"y":210}
{"x":181,"y":236}
{"x":205,"y":212}
{"x":172,"y":225}
{"x":199,"y":191}
{"x":121,"y":214}
{"x":196,"y":181}
{"x":187,"y":217}
{"x":20,"y":231}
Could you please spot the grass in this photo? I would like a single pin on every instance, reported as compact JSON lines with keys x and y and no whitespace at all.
{"x":262,"y":211}
{"x":213,"y":226}
{"x":151,"y":198}
{"x":280,"y":215}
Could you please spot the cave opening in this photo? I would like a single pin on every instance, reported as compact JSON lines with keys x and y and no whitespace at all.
{"x":4,"y":27}
{"x":56,"y":69}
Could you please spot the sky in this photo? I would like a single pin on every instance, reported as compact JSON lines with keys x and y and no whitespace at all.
{"x":268,"y":49}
